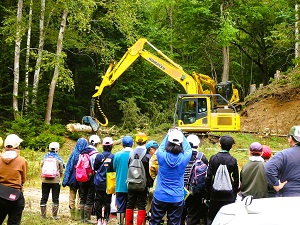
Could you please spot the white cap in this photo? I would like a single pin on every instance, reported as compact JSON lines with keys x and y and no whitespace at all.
{"x":12,"y":140}
{"x":194,"y":139}
{"x":54,"y":146}
{"x":175,"y":137}
{"x":94,"y":139}
{"x":107,"y":141}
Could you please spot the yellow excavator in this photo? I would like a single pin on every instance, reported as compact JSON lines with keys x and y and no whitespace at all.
{"x":199,"y":110}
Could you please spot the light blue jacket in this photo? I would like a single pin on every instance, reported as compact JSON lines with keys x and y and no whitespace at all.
{"x":170,"y":178}
{"x":120,"y":165}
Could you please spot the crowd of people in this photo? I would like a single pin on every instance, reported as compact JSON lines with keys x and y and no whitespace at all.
{"x":173,"y":190}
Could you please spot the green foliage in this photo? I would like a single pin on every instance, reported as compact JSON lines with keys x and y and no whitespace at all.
{"x":132,"y":117}
{"x":36,"y":135}
{"x":228,"y":32}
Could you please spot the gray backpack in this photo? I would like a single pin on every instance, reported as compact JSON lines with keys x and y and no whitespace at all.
{"x":222,"y":181}
{"x":136,"y":176}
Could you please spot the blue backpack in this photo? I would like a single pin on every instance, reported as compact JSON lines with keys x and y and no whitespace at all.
{"x":198,"y":175}
{"x":100,"y":174}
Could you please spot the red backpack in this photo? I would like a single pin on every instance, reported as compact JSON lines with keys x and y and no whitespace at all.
{"x":83,"y":168}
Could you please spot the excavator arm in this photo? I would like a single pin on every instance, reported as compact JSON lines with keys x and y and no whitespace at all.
{"x":168,"y":66}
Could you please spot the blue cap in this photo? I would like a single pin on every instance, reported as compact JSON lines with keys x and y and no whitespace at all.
{"x":150,"y":144}
{"x":127,"y":141}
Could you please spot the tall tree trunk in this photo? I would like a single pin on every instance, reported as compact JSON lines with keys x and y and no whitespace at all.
{"x":26,"y":97}
{"x":17,"y":60}
{"x":225,"y":49}
{"x":225,"y":75}
{"x":56,"y":70}
{"x":40,"y":54}
{"x":296,"y":30}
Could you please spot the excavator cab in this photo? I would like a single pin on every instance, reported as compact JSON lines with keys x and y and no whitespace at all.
{"x":225,"y":90}
{"x":197,"y":113}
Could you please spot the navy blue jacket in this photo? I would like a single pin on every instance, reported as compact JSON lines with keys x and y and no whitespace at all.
{"x":107,"y":167}
{"x":285,"y":166}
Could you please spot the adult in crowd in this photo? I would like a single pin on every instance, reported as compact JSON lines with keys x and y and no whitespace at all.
{"x":173,"y":155}
{"x":87,"y":189}
{"x":195,"y":210}
{"x":70,"y":178}
{"x":102,"y":165}
{"x":217,"y":199}
{"x":13,"y":172}
{"x":120,"y":165}
{"x":253,"y":178}
{"x":49,"y":182}
{"x":283,"y":169}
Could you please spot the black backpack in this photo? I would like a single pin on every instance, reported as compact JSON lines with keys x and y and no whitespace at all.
{"x":136,"y":176}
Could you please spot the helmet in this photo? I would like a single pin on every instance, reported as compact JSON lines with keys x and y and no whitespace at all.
{"x":127,"y":141}
{"x":54,"y":147}
{"x":152,"y":144}
{"x":107,"y":141}
{"x":141,"y":138}
{"x":94,"y":139}
{"x":12,"y":140}
{"x":194,"y":140}
{"x":266,"y":152}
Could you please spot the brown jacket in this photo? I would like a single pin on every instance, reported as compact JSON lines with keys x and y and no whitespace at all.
{"x":13,"y":168}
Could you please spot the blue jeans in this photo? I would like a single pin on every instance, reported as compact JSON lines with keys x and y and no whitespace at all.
{"x":159,"y":209}
{"x":13,"y":209}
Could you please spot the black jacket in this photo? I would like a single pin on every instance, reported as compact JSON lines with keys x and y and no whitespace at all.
{"x":226,"y":159}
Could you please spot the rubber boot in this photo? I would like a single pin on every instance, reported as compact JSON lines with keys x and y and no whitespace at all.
{"x":72,"y":213}
{"x":120,"y":218}
{"x":141,"y":217}
{"x":88,"y":214}
{"x":43,"y":211}
{"x":82,"y":213}
{"x":77,"y":214}
{"x":129,"y":217}
{"x":54,"y":212}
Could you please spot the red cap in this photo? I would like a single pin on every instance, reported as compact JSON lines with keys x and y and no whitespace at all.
{"x":266,"y":152}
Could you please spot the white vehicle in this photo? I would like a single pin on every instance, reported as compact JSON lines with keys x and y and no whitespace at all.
{"x":264,"y":211}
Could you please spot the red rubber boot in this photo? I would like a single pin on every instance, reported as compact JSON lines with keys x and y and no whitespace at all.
{"x":129,"y":217}
{"x":141,"y":217}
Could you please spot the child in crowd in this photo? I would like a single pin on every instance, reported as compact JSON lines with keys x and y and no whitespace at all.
{"x":51,"y":163}
{"x":103,"y":164}
{"x":70,"y":178}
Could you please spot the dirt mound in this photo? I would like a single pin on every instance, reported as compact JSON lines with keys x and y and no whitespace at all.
{"x":273,"y":109}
